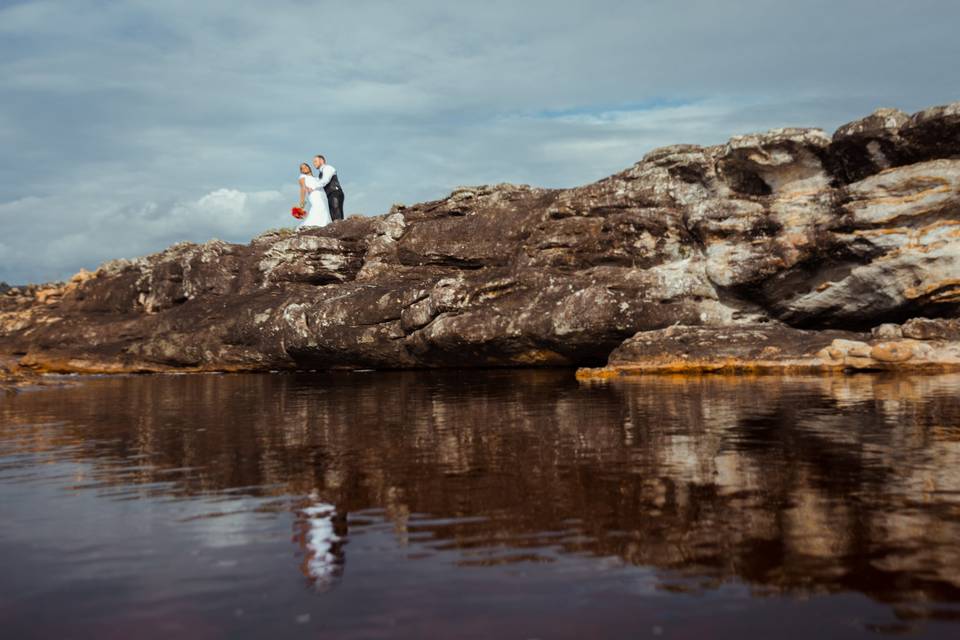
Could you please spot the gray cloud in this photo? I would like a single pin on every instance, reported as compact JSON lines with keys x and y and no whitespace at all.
{"x":132,"y":124}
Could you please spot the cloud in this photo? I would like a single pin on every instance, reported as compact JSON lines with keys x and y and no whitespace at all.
{"x":118,"y":119}
{"x":48,"y":238}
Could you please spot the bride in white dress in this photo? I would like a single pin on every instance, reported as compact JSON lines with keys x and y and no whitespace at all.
{"x":319,"y":214}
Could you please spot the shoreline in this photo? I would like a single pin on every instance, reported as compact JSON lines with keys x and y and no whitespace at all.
{"x":921,"y":346}
{"x":756,"y":368}
{"x":44,"y":374}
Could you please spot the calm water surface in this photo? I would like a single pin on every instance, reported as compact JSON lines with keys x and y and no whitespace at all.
{"x":481,"y":505}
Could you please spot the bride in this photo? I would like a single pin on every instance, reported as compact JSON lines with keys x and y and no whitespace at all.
{"x":319,"y":214}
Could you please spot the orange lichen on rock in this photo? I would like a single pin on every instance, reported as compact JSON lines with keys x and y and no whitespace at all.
{"x":540,"y":357}
{"x":39,"y":364}
{"x":949,"y":286}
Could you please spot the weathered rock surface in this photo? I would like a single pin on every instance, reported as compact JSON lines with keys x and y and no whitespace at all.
{"x":919,"y":346}
{"x":781,"y":233}
{"x":14,"y":377}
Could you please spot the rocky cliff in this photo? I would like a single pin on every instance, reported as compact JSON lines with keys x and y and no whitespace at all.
{"x":788,"y":248}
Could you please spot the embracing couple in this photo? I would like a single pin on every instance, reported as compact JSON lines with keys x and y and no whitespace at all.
{"x":324,"y":192}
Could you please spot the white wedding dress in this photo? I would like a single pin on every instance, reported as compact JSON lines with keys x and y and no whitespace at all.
{"x":319,"y":213}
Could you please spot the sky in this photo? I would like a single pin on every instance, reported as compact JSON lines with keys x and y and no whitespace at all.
{"x":129,"y":125}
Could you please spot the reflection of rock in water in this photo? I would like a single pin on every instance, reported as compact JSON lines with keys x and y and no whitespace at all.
{"x":791,"y":485}
{"x":320,"y":534}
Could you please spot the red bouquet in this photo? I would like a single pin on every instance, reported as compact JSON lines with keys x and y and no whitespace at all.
{"x":298,"y":213}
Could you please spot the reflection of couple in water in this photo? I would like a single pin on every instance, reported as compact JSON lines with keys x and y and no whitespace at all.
{"x":320,"y":532}
{"x":324,"y":192}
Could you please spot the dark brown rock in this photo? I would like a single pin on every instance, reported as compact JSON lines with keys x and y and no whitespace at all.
{"x":864,"y":147}
{"x":13,"y":377}
{"x":933,"y":133}
{"x":789,"y":229}
{"x":746,"y":343}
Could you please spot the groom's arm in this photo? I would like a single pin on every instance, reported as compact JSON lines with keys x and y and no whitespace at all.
{"x":326,"y":175}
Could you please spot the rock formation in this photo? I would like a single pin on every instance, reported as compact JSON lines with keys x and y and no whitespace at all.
{"x":14,"y":377}
{"x":784,"y":247}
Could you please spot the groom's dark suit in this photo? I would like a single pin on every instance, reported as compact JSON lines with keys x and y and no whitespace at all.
{"x":331,"y":185}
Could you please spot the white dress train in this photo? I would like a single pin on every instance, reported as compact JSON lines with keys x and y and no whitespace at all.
{"x":319,"y":213}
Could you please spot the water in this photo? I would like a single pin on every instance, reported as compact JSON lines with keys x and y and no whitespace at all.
{"x":480,"y":505}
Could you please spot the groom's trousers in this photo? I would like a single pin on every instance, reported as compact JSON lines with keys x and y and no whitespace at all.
{"x":336,"y":205}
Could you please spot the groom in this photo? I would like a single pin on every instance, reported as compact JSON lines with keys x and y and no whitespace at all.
{"x":331,"y":184}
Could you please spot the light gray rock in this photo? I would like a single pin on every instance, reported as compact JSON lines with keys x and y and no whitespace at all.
{"x":888,"y":331}
{"x":932,"y":329}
